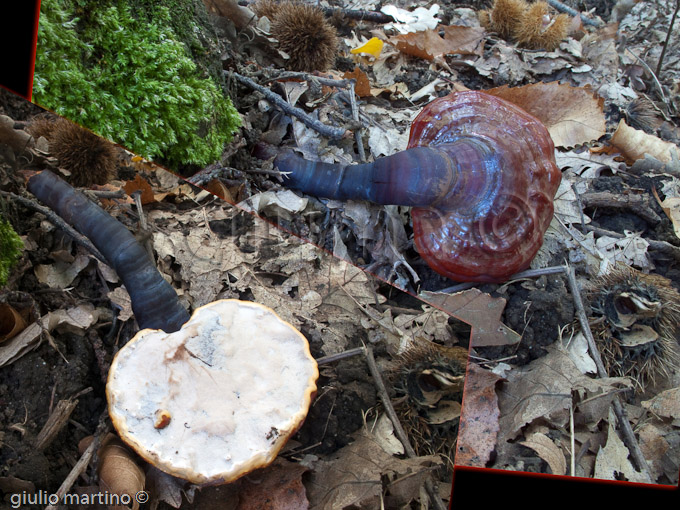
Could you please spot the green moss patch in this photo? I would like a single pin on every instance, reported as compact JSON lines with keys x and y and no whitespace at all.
{"x":130,"y":80}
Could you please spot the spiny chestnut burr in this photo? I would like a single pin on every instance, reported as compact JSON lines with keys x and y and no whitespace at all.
{"x":635,"y":323}
{"x":89,"y":158}
{"x":303,"y":33}
{"x":480,"y":174}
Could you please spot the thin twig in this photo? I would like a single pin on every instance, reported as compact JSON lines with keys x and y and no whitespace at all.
{"x":571,"y":12}
{"x":324,"y":360}
{"x":529,"y":273}
{"x":398,"y":429}
{"x":137,"y":197}
{"x":348,"y":84}
{"x":580,"y":207}
{"x":332,"y":132}
{"x":355,"y":116}
{"x":660,"y":246}
{"x":374,"y":16}
{"x":572,"y":468}
{"x":624,"y":424}
{"x":103,"y":428}
{"x":58,"y":222}
{"x":668,"y":38}
{"x":330,"y":82}
{"x":649,"y":69}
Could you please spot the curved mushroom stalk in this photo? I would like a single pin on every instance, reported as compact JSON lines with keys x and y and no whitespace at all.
{"x":154,"y":301}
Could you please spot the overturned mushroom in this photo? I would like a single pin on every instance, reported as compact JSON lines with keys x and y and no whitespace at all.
{"x":216,"y":399}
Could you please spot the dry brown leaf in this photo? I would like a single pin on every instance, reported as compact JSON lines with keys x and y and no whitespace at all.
{"x":504,"y":65}
{"x":61,"y":274}
{"x":277,"y":487}
{"x":284,"y":204}
{"x":217,"y":187}
{"x":432,"y":324}
{"x":612,"y":461}
{"x":479,"y":419}
{"x":634,"y":144}
{"x":76,"y":319}
{"x":165,"y":487}
{"x":666,"y":404}
{"x":142,"y":185}
{"x":359,"y":473}
{"x":479,"y":310}
{"x":654,"y":447}
{"x":117,"y":468}
{"x":548,"y":451}
{"x":572,"y":115}
{"x":429,"y":45}
{"x":466,"y":40}
{"x":544,"y":389}
{"x":362,"y":87}
{"x":11,"y":322}
{"x":120,"y":297}
{"x":671,"y":206}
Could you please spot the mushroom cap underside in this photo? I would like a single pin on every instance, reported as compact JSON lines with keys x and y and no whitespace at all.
{"x":216,"y":399}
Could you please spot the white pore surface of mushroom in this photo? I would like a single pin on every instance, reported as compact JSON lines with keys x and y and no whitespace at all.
{"x":216,"y":399}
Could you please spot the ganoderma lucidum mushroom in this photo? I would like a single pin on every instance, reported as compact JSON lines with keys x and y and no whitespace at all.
{"x":207,"y":399}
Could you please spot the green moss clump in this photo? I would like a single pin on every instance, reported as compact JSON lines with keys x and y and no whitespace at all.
{"x":130,"y":80}
{"x":11,"y":247}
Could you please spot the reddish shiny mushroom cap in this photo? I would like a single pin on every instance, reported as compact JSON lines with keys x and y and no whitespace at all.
{"x":216,"y":399}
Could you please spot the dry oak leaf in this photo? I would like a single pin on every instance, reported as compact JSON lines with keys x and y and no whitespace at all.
{"x":634,"y":144}
{"x":276,"y":487}
{"x":429,"y":45}
{"x":479,"y":310}
{"x":479,"y":424}
{"x":654,"y":447}
{"x":666,"y":404}
{"x":612,"y":461}
{"x":545,"y":389}
{"x":573,"y":115}
{"x":548,"y":451}
{"x":465,"y":40}
{"x":362,"y":87}
{"x":359,"y":474}
{"x":142,"y":185}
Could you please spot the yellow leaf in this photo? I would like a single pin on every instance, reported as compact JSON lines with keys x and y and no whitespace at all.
{"x":373,"y":47}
